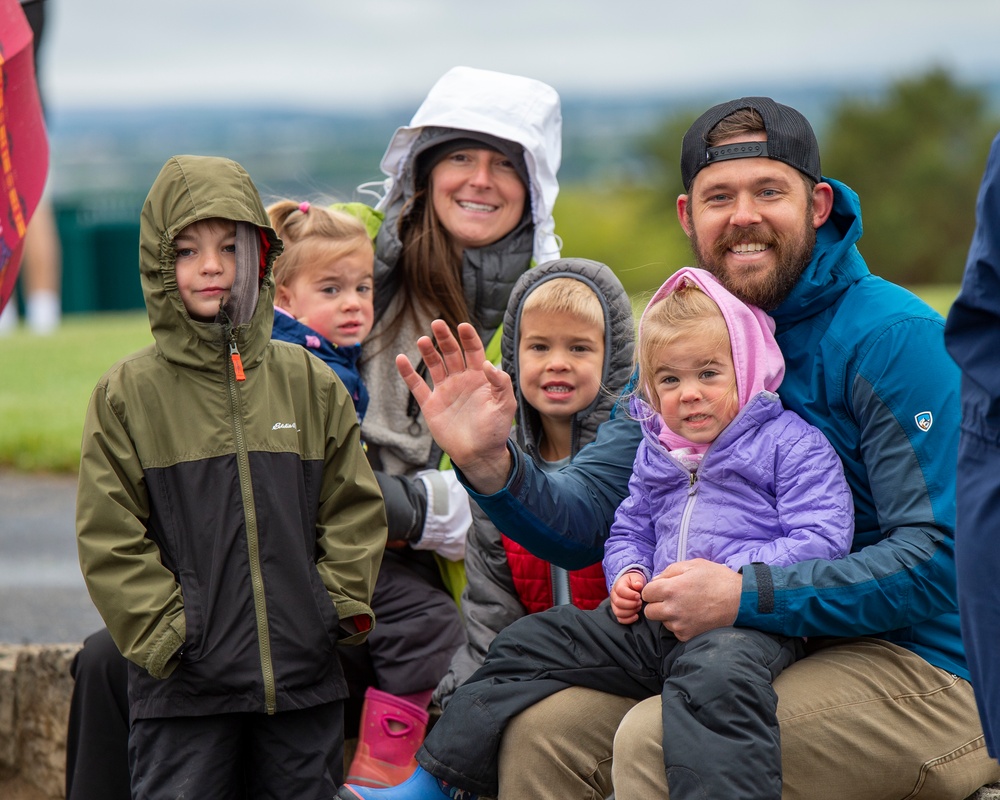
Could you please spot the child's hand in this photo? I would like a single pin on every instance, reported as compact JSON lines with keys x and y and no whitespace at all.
{"x":626,"y":597}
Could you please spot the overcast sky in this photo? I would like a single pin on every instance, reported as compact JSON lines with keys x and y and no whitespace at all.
{"x":362,"y":53}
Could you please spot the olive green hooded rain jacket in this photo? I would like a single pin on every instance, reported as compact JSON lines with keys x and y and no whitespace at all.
{"x":230,"y":530}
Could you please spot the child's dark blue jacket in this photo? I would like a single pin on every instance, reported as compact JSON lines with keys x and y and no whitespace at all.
{"x":343,"y":360}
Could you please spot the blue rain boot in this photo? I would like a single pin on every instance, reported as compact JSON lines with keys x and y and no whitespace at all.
{"x":419,"y":786}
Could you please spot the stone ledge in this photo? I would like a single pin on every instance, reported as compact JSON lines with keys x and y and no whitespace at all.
{"x":35,"y":690}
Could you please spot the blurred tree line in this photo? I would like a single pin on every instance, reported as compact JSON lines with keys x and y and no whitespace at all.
{"x":914,"y":154}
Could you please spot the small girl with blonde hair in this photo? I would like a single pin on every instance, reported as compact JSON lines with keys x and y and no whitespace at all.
{"x":724,"y":472}
{"x":682,"y":323}
{"x":324,"y":283}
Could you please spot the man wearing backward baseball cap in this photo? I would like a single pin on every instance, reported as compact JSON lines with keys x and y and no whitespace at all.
{"x":881,"y":705}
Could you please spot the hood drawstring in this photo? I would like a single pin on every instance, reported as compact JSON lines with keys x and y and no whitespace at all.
{"x":412,"y":407}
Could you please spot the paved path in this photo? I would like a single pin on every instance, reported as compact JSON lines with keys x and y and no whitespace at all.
{"x":43,"y":599}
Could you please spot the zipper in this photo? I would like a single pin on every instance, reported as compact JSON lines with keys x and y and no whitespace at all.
{"x":412,"y":406}
{"x":682,"y":538}
{"x":234,"y":356}
{"x":561,"y":594}
{"x":249,"y":511}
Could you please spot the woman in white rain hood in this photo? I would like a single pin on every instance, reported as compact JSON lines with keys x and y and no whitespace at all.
{"x":453,"y":232}
{"x":466,"y":209}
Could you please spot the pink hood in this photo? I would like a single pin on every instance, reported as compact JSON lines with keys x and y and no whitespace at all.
{"x":757,"y":359}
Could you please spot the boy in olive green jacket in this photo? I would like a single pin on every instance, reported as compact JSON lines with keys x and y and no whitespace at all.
{"x":229,"y":526}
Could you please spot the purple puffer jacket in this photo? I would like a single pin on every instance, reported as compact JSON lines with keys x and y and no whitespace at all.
{"x":771,"y":488}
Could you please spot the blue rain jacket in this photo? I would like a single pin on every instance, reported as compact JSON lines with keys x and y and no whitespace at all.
{"x":973,"y":338}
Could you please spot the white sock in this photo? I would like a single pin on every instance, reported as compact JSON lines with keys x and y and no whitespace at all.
{"x":8,"y":317}
{"x":43,"y":310}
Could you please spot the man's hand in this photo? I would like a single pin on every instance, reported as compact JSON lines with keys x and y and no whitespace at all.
{"x":691,"y":597}
{"x":626,"y":597}
{"x":471,"y":407}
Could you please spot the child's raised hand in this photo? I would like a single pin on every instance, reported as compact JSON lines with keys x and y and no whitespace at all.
{"x":626,"y":597}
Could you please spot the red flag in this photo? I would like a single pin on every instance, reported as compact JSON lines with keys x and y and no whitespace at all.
{"x":24,"y":146}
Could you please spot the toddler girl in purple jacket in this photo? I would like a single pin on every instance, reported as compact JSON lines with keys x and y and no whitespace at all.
{"x":724,"y":473}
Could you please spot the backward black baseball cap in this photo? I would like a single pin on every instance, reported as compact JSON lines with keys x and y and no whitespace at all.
{"x":790,"y":139}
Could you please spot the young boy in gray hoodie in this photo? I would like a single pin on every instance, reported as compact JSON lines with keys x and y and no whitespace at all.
{"x":563,"y":395}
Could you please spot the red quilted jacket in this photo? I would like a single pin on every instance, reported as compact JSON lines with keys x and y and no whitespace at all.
{"x":533,"y":580}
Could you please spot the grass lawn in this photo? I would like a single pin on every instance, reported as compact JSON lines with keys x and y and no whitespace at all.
{"x":46,"y":381}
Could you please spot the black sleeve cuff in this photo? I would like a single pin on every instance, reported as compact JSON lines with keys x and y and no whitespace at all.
{"x":765,"y":588}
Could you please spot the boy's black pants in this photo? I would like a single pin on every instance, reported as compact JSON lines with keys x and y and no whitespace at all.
{"x":296,"y":754}
{"x":720,"y":732}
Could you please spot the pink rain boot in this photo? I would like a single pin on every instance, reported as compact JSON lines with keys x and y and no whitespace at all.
{"x":392,"y":729}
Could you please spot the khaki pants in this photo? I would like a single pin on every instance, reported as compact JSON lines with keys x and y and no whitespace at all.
{"x":860,"y":719}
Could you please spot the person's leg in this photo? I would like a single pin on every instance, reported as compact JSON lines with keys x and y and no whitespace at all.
{"x":419,"y":628}
{"x":296,"y":754}
{"x":42,"y":270}
{"x":561,"y":746}
{"x":637,"y":769}
{"x":97,"y":733}
{"x":857,"y":719}
{"x":174,"y":757}
{"x":533,"y":658}
{"x":359,"y":673}
{"x":8,"y":316}
{"x":720,"y":733}
{"x":977,"y":559}
{"x":867,"y":713}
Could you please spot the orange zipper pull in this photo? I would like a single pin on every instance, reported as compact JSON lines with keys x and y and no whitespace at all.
{"x":234,"y":354}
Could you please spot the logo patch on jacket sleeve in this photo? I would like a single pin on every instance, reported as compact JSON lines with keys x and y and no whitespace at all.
{"x":924,"y":420}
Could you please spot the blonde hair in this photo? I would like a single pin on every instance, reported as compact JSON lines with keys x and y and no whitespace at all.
{"x":684,"y":314}
{"x":566,"y":296}
{"x":313,"y":234}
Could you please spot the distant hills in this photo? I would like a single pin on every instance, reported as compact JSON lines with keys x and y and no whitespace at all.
{"x":104,"y":161}
{"x":297,"y":152}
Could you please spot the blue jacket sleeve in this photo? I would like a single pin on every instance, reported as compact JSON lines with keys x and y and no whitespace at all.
{"x":564,"y":517}
{"x":972,"y":333}
{"x":973,"y":337}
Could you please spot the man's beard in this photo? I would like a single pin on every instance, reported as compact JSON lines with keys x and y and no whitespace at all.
{"x":763,"y":287}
